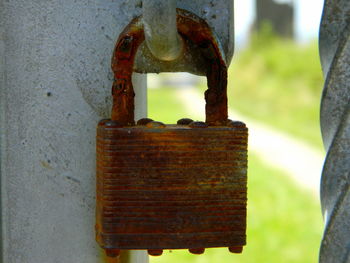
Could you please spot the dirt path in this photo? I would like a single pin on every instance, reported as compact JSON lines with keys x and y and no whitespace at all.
{"x":279,"y":150}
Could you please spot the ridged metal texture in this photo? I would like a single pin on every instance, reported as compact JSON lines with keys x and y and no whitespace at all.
{"x":335,"y":125}
{"x":171,"y":187}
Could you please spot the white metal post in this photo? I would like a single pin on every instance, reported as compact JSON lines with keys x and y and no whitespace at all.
{"x":140,"y":86}
{"x":55,"y":85}
{"x":55,"y":82}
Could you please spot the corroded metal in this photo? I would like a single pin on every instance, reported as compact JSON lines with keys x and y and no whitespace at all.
{"x":171,"y":187}
{"x":180,"y":186}
{"x":218,"y":14}
{"x":198,"y":35}
{"x":335,"y":125}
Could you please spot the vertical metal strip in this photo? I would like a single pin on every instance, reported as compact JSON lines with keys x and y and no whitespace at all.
{"x":335,"y":126}
{"x":2,"y":120}
{"x":159,"y":22}
{"x":140,"y":86}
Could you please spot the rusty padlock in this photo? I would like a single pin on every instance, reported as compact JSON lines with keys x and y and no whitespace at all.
{"x":178,"y":186}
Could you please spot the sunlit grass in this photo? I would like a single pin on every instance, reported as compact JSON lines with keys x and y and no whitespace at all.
{"x":279,"y":83}
{"x":164,"y":106}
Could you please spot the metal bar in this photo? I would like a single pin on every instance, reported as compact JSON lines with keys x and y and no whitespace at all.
{"x":59,"y":64}
{"x":162,"y":38}
{"x":2,"y":117}
{"x":218,"y":14}
{"x":335,"y":126}
{"x":137,"y":256}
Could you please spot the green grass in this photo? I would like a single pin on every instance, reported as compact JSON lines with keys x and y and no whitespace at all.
{"x":164,"y":106}
{"x":279,"y":83}
{"x":284,"y":221}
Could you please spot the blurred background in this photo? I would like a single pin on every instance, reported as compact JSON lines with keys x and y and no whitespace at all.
{"x":275,"y":85}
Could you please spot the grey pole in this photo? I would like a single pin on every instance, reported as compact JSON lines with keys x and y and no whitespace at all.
{"x":161,"y":36}
{"x":55,"y":82}
{"x":55,"y":85}
{"x":335,"y":126}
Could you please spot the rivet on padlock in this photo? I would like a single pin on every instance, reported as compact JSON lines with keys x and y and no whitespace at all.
{"x":112,"y":252}
{"x":172,"y":186}
{"x":197,"y":251}
{"x":155,"y":252}
{"x":184,"y":121}
{"x":144,"y":121}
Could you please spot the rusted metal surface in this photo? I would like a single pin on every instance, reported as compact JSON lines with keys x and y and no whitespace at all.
{"x":335,"y":126}
{"x":171,"y":188}
{"x":196,"y":32}
{"x":164,"y":186}
{"x":218,"y":14}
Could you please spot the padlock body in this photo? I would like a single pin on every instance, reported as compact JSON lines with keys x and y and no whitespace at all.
{"x":173,"y":187}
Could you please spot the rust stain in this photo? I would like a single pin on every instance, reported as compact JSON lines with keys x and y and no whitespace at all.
{"x":46,"y":165}
{"x":161,"y":186}
{"x":191,"y":28}
{"x":172,"y":187}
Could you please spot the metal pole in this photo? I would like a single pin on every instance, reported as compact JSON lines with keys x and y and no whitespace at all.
{"x":161,"y":36}
{"x":55,"y":85}
{"x":335,"y":126}
{"x":137,"y":256}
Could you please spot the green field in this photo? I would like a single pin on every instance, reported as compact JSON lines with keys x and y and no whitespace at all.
{"x":279,"y":83}
{"x":284,"y":221}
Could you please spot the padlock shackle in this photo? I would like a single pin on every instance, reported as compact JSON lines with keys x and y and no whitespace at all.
{"x":190,"y":27}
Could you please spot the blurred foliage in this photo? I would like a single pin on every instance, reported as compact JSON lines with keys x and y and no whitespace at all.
{"x":284,"y":221}
{"x":279,"y":83}
{"x":164,"y":106}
